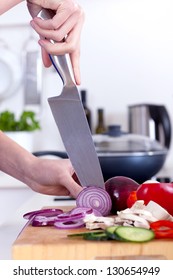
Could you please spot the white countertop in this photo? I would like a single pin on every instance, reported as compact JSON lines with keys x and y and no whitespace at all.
{"x":10,"y":229}
{"x":8,"y":181}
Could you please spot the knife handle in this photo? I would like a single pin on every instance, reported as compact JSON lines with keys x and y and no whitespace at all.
{"x":59,"y":62}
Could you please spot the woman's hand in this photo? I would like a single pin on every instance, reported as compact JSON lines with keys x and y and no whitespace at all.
{"x":53,"y":177}
{"x":46,"y":176}
{"x":67,"y":23}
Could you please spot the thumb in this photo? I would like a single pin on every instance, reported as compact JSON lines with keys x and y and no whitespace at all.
{"x":73,"y":187}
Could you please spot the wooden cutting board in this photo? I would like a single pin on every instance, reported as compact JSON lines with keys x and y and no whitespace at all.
{"x":49,"y":243}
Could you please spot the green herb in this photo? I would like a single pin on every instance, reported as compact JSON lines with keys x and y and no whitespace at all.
{"x":85,"y":233}
{"x":26,"y":122}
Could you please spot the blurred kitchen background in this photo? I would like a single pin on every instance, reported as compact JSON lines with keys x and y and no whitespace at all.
{"x":126,"y":59}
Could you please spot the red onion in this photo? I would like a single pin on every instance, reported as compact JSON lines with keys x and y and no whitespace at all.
{"x":91,"y":200}
{"x":69,"y":217}
{"x":49,"y":212}
{"x":39,"y":221}
{"x":58,"y":218}
{"x":70,"y":220}
{"x":70,"y":224}
{"x":95,"y":198}
{"x":97,"y":213}
{"x":119,"y":189}
{"x":86,"y":210}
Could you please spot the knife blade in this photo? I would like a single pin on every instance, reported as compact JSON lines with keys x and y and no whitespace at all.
{"x":69,"y":115}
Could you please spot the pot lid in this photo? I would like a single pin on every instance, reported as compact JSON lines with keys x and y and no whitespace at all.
{"x":126,"y":143}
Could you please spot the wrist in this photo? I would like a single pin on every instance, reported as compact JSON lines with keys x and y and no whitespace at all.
{"x":30,"y":170}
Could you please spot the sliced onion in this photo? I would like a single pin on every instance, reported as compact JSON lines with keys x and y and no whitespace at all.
{"x":39,"y":221}
{"x":95,"y":198}
{"x":48,"y":212}
{"x":91,"y":200}
{"x":70,"y":224}
{"x":86,"y":210}
{"x":97,"y":213}
{"x":70,"y":217}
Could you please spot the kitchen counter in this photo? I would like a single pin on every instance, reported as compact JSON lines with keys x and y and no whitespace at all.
{"x":8,"y":181}
{"x":10,"y":230}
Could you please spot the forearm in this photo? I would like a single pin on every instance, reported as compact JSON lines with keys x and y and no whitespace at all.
{"x":8,"y":4}
{"x":14,"y":160}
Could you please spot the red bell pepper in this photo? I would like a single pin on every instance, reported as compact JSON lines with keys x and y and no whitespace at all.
{"x":161,"y":193}
{"x":131,"y":199}
{"x":162,"y":228}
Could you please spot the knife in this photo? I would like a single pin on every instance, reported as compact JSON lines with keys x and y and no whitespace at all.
{"x":69,"y":115}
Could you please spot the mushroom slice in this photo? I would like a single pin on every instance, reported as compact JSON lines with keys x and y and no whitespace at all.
{"x":94,"y":222}
{"x":134,"y":218}
{"x":157,"y":211}
{"x":139,"y":204}
{"x":142,"y":225}
{"x":95,"y":225}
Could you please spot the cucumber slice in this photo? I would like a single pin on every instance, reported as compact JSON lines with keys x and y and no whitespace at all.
{"x":134,"y":234}
{"x":110,"y":231}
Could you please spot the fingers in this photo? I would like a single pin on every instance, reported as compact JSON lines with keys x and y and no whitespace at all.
{"x":71,"y":45}
{"x":75,"y":62}
{"x":45,"y":57}
{"x":57,"y":27}
{"x":73,"y":187}
{"x":67,"y":23}
{"x":67,"y":187}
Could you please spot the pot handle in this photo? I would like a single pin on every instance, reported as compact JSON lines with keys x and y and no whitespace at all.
{"x":52,"y":153}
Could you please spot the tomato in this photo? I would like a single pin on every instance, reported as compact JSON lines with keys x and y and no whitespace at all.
{"x":162,"y":228}
{"x":161,"y":193}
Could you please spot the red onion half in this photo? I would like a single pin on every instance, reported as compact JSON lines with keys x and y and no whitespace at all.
{"x":95,"y":198}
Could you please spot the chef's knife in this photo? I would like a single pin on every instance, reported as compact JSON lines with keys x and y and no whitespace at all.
{"x":69,"y":115}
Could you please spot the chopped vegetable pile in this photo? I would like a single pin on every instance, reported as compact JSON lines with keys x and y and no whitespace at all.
{"x":139,"y":222}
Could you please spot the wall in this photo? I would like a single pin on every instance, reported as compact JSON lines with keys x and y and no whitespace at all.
{"x":126,"y":58}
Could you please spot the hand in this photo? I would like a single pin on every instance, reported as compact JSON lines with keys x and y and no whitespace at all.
{"x":46,"y":176}
{"x":67,"y":23}
{"x":53,"y":177}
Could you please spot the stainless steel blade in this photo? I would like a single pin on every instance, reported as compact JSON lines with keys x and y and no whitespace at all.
{"x":70,"y":118}
{"x":73,"y":127}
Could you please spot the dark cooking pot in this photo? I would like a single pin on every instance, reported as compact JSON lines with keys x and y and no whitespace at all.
{"x":130,"y":155}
